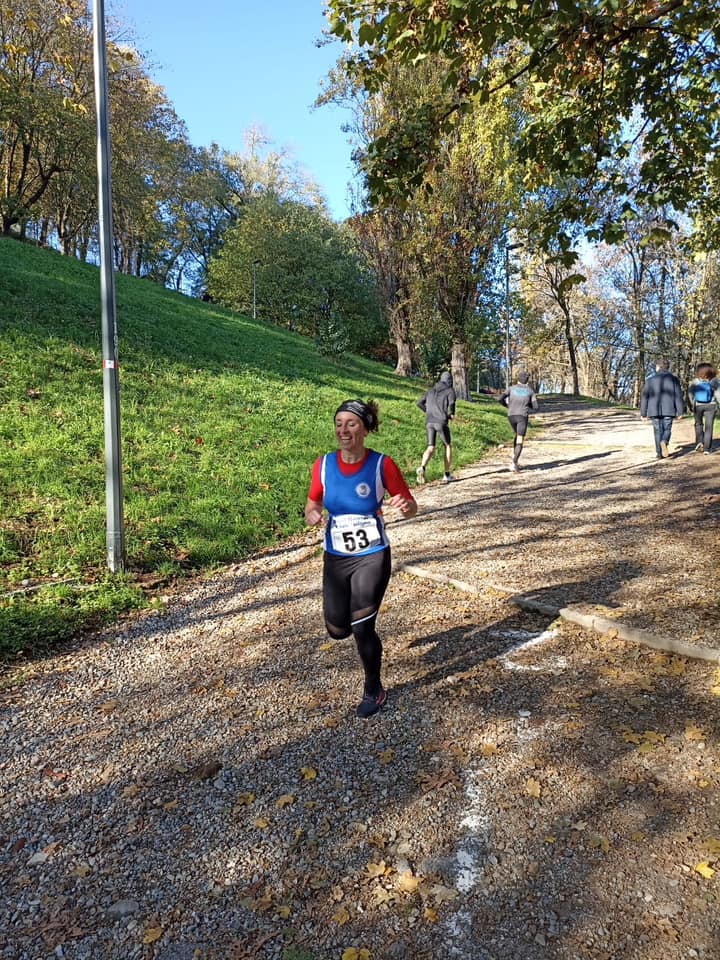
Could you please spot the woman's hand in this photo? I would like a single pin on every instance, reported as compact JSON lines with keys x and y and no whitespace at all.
{"x":408,"y":508}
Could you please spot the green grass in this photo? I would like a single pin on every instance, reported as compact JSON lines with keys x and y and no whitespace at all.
{"x":221,"y":419}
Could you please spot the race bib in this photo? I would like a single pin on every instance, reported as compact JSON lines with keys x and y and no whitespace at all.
{"x":353,"y":533}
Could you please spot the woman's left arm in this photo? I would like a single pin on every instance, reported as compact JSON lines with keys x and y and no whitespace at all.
{"x":400,"y":496}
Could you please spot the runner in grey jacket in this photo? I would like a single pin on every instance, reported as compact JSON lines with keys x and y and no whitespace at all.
{"x":438,"y":405}
{"x":520,"y":399}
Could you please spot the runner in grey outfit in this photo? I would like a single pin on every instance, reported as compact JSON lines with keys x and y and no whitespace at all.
{"x":438,"y":405}
{"x":520,"y":399}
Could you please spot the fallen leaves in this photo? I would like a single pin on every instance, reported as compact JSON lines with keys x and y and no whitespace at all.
{"x":341,"y":916}
{"x":152,"y":935}
{"x":705,"y":870}
{"x":243,"y":800}
{"x":407,"y":882}
{"x":286,"y":800}
{"x":598,"y":841}
{"x":533,"y":788}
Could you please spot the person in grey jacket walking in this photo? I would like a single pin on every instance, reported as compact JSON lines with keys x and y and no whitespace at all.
{"x":662,"y":401}
{"x":438,"y":405}
{"x":520,"y":399}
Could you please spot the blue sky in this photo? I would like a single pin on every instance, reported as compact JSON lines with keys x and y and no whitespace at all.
{"x":227,"y":65}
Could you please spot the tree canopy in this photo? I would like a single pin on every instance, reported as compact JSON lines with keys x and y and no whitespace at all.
{"x":595,"y":74}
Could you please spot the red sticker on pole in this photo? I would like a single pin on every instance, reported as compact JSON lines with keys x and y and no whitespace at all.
{"x":109,"y":364}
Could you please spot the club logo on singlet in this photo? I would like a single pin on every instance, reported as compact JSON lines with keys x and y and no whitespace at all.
{"x":363,"y":490}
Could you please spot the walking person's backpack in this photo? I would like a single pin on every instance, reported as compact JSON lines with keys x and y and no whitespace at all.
{"x":703,"y":392}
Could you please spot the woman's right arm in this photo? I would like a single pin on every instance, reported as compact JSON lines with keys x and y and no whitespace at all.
{"x":313,"y":504}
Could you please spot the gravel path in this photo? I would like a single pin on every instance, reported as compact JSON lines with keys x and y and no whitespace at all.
{"x":194,"y":785}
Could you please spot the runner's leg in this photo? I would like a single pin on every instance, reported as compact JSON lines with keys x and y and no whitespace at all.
{"x":368,"y":585}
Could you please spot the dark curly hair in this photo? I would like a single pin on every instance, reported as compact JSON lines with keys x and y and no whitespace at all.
{"x":705,"y":371}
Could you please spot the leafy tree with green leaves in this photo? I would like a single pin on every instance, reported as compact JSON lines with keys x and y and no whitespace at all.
{"x":595,"y":74}
{"x":308,"y":273}
{"x":45,"y":98}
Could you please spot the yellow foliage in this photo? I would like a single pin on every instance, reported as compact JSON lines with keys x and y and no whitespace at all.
{"x":705,"y":870}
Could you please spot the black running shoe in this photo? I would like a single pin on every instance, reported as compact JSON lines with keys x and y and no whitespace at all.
{"x":371,"y":704}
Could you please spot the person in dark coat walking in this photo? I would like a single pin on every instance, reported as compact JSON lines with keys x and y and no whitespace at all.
{"x":438,"y":405}
{"x":662,"y":401}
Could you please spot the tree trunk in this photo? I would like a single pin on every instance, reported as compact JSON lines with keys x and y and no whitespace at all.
{"x":400,"y":331}
{"x":459,"y":367}
{"x":403,"y":367}
{"x":572,"y":353}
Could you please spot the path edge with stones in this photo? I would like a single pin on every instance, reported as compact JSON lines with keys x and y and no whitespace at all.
{"x":588,"y":621}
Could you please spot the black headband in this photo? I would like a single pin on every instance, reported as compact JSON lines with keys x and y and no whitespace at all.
{"x":359,"y":408}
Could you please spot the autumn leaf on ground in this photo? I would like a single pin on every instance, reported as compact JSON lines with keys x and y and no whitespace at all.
{"x":549,"y":839}
{"x":286,"y":800}
{"x":712,"y":845}
{"x":341,"y":916}
{"x":244,"y":800}
{"x":430,"y":915}
{"x":407,"y":882}
{"x":383,"y":895}
{"x":171,"y":805}
{"x":387,"y":756}
{"x":637,"y":836}
{"x":132,"y":791}
{"x":677,"y":666}
{"x":326,"y":646}
{"x":331,"y":723}
{"x":442,"y":894}
{"x":533,"y":787}
{"x":693,"y":732}
{"x":705,"y":870}
{"x":488,"y":749}
{"x":650,"y":736}
{"x":308,"y":773}
{"x":356,"y":953}
{"x":261,"y":823}
{"x":284,"y":911}
{"x":376,"y":869}
{"x":596,"y":840}
{"x":152,"y":934}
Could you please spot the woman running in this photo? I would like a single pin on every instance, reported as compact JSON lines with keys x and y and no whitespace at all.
{"x":350,"y":484}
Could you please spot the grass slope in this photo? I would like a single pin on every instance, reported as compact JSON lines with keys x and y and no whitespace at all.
{"x":221,"y":416}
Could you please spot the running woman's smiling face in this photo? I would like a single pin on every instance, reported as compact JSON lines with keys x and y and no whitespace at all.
{"x":350,"y":432}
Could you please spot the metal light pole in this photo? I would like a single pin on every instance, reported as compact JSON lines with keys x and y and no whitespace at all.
{"x":115,"y":533}
{"x":256,"y":263}
{"x":508,"y":371}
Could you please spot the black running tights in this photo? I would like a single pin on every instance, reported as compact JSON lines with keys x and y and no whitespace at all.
{"x":353,"y":589}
